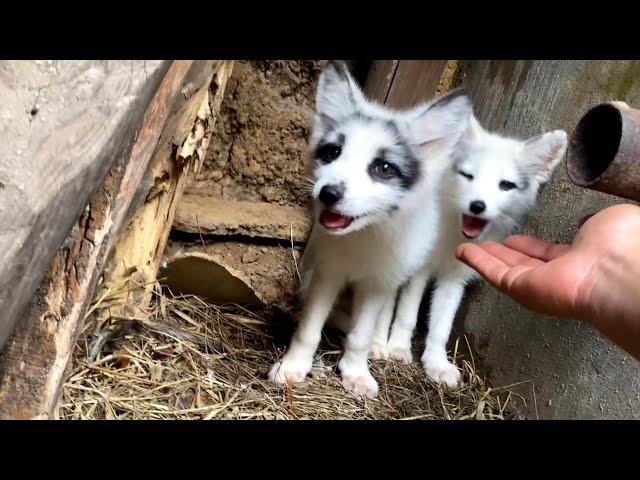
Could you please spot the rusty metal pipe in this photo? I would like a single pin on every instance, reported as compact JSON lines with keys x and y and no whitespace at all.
{"x":604,"y":151}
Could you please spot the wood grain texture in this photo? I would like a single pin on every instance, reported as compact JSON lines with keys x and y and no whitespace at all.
{"x":379,"y":79}
{"x":404,"y":83}
{"x":415,"y":81}
{"x":34,"y":361}
{"x":62,"y":125}
{"x":181,"y":150}
{"x":198,"y":214}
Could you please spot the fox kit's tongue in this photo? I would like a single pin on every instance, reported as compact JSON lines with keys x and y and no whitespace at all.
{"x":334,"y":221}
{"x":472,"y":226}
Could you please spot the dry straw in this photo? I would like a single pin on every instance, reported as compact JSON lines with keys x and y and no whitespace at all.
{"x":188,"y":359}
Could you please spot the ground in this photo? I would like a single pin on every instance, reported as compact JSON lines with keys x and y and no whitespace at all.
{"x":193,"y":360}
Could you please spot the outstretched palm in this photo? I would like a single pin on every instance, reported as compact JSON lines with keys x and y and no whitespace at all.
{"x":591,"y":279}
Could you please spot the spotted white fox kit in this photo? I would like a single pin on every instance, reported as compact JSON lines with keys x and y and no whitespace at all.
{"x":375,"y":197}
{"x":491,"y":184}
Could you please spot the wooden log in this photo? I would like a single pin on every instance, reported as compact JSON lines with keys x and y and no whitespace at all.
{"x":62,"y":125}
{"x":34,"y":361}
{"x":181,"y":150}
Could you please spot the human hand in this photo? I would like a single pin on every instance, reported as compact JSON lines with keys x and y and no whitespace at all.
{"x":594,"y":279}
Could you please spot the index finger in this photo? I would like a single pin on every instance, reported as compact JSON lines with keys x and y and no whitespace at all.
{"x":535,"y":247}
{"x":490,"y":267}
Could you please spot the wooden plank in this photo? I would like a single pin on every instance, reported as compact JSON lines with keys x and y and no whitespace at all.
{"x":379,"y":79}
{"x":406,"y":83}
{"x":34,"y":361}
{"x":181,"y":150}
{"x":62,"y":127}
{"x":200,"y":214}
{"x":415,"y":81}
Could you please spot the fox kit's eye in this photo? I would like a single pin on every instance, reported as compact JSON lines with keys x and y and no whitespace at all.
{"x":383,"y":170}
{"x":466,"y":175}
{"x":328,"y":152}
{"x":507,"y":185}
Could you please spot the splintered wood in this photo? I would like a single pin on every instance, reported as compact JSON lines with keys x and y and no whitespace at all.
{"x":181,"y":150}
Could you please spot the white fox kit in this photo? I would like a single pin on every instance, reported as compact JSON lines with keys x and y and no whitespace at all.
{"x":492,"y":183}
{"x":375,"y":177}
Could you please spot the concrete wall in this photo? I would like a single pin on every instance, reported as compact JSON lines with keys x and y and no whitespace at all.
{"x":576,"y":373}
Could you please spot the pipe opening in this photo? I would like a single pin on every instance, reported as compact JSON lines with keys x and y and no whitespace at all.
{"x":594,"y":144}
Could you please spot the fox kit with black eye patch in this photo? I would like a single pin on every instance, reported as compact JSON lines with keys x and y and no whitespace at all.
{"x":492,"y":184}
{"x":376,"y":172}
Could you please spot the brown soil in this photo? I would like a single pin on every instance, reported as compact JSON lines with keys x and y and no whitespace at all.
{"x":259,"y":152}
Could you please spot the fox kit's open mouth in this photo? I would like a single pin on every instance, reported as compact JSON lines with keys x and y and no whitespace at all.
{"x":472,"y":226}
{"x":334,"y":221}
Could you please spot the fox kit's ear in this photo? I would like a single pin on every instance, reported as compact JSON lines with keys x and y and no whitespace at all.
{"x":544,"y":152}
{"x":473,"y":131}
{"x":337,"y":95}
{"x":443,"y":119}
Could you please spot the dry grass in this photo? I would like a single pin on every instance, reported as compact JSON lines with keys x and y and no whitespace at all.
{"x":192,"y":360}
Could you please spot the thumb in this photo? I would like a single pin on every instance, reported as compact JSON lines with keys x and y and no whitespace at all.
{"x":584,"y":219}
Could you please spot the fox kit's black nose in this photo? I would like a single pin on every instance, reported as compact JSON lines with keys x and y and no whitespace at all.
{"x":331,"y":194}
{"x":477,"y":207}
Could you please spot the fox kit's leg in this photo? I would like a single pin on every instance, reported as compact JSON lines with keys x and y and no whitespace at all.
{"x":399,"y":345}
{"x":381,"y":334}
{"x":354,"y":368}
{"x":297,"y":361}
{"x":444,"y":304}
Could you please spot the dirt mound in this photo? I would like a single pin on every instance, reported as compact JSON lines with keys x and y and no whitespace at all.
{"x":260,"y":148}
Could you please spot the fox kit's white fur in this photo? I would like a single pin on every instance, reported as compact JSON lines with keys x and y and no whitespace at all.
{"x":376,"y":176}
{"x":492,"y":183}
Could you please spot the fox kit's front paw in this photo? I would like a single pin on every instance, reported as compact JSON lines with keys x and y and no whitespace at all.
{"x":289,"y":371}
{"x":378,"y":351}
{"x":401,"y":354}
{"x":400,"y":351}
{"x":361,"y":385}
{"x":358,"y":380}
{"x":441,"y":370}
